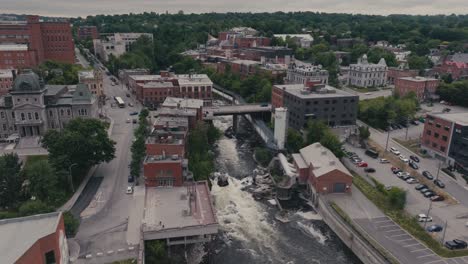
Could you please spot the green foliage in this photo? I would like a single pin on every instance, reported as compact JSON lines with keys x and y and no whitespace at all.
{"x":317,"y":131}
{"x":141,"y":55}
{"x":10,"y":180}
{"x":397,"y":198}
{"x":375,"y":54}
{"x":71,"y":224}
{"x":364,"y":132}
{"x":294,"y":141}
{"x":456,"y":92}
{"x":138,"y":148}
{"x":381,"y":111}
{"x":419,"y":62}
{"x":33,"y":207}
{"x":43,"y":181}
{"x":90,"y":141}
{"x":50,"y":71}
{"x":201,"y":161}
{"x":263,"y":156}
{"x":155,"y":252}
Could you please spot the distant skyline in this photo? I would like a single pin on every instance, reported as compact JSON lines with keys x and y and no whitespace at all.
{"x":84,"y":8}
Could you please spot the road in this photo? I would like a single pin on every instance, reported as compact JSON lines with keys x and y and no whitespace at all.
{"x":104,"y":222}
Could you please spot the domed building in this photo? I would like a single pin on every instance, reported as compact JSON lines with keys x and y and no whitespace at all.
{"x":32,"y":107}
{"x":365,"y":74}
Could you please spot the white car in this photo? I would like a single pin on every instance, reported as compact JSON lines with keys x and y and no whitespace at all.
{"x":395,"y":151}
{"x":402,"y":173}
{"x":367,"y":93}
{"x":412,"y":180}
{"x":129,"y":190}
{"x":424,"y":218}
{"x":404,"y":159}
{"x":384,"y":161}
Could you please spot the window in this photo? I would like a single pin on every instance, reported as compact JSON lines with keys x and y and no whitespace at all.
{"x":446,"y":128}
{"x":61,"y":112}
{"x":2,"y":114}
{"x":13,"y":115}
{"x":50,"y":257}
{"x":436,"y":135}
{"x":51,"y":113}
{"x":437,"y":125}
{"x":4,"y":127}
{"x":68,"y":112}
{"x":442,"y":148}
{"x":434,"y":145}
{"x":36,"y":115}
{"x":444,"y":138}
{"x":428,"y":132}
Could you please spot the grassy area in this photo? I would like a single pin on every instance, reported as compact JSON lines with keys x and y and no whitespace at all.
{"x":364,"y":89}
{"x":33,"y":159}
{"x":403,"y":219}
{"x":413,"y":144}
{"x":371,"y":241}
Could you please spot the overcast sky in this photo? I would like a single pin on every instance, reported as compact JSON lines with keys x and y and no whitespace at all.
{"x":74,"y":8}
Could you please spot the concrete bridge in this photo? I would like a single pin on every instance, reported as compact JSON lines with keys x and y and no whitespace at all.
{"x":252,"y":112}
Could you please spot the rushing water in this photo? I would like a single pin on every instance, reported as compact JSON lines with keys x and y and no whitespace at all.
{"x":250,"y":233}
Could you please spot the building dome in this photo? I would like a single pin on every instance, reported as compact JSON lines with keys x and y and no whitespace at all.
{"x":27,"y":81}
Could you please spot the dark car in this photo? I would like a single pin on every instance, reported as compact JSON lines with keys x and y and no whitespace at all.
{"x":455,"y":244}
{"x":434,"y":228}
{"x":437,"y":198}
{"x":413,"y":165}
{"x":369,"y":170}
{"x":133,"y":113}
{"x":131,"y":178}
{"x":428,"y":175}
{"x":439,"y":183}
{"x":423,"y":190}
{"x":420,"y":186}
{"x":405,"y":177}
{"x":414,"y":158}
{"x":429,"y":194}
{"x":128,"y":95}
{"x":395,"y":170}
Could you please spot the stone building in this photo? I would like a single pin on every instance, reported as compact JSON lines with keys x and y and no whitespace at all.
{"x":365,"y":74}
{"x":31,"y":107}
{"x":300,"y":72}
{"x":94,"y":80}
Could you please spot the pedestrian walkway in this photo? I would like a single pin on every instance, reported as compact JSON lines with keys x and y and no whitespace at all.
{"x":137,"y":206}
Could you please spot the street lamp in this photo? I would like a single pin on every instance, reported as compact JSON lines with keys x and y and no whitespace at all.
{"x":71,"y":177}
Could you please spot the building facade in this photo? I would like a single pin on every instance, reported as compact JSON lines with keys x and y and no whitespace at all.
{"x":87,"y":32}
{"x":45,"y":40}
{"x":6,"y":81}
{"x":445,"y":137}
{"x":116,"y":44}
{"x":401,"y":71}
{"x":93,"y":80}
{"x":14,"y":56}
{"x":365,"y":74}
{"x":37,"y":239}
{"x":424,"y":88}
{"x":31,"y":107}
{"x":316,"y":102}
{"x":300,"y":72}
{"x":302,"y":40}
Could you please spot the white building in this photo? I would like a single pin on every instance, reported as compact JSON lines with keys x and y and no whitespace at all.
{"x":281,"y":126}
{"x":303,"y":40}
{"x":116,"y":44}
{"x":300,"y":72}
{"x":94,"y":80}
{"x":365,"y":74}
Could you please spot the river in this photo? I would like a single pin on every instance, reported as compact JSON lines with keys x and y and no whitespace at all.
{"x":250,"y":232}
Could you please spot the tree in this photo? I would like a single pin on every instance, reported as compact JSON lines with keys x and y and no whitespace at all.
{"x":419,"y":62}
{"x":397,"y":198}
{"x":294,"y":140}
{"x":263,"y":156}
{"x":375,"y":54}
{"x":331,"y":141}
{"x":33,"y":207}
{"x":315,"y":131}
{"x":71,"y":224}
{"x":43,"y":181}
{"x":10,"y":180}
{"x":364,"y":132}
{"x":90,"y":141}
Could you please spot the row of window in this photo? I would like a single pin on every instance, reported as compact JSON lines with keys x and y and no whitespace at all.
{"x":435,"y":145}
{"x":436,"y":135}
{"x":19,"y":61}
{"x":195,"y":89}
{"x":57,"y":38}
{"x":18,"y":54}
{"x":368,"y":75}
{"x":2,"y":36}
{"x":430,"y":122}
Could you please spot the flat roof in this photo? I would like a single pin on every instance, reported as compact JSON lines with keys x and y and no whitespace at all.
{"x":417,"y":79}
{"x":194,"y":79}
{"x":246,"y":62}
{"x":13,"y":47}
{"x":20,"y":234}
{"x":171,"y":121}
{"x":182,"y":102}
{"x":6,"y":73}
{"x":165,"y":111}
{"x":145,"y":77}
{"x":173,"y":208}
{"x":459,"y":118}
{"x":86,"y":74}
{"x":158,"y":85}
{"x":297,"y":90}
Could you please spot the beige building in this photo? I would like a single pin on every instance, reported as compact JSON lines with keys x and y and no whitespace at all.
{"x":94,"y":80}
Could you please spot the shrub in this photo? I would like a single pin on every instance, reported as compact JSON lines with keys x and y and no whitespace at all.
{"x":34,"y":207}
{"x":71,"y":224}
{"x":263,"y":156}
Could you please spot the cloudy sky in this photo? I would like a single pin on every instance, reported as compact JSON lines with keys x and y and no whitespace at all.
{"x":73,"y":8}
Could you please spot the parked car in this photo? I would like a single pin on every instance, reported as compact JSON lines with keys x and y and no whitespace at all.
{"x":424,"y":218}
{"x":370,"y":170}
{"x":384,"y":161}
{"x":372,"y":153}
{"x":403,"y":158}
{"x":415,"y":122}
{"x":423,"y":190}
{"x":131,"y":178}
{"x":129,"y":190}
{"x":405,"y":177}
{"x":437,"y":198}
{"x":134,"y":121}
{"x":128,"y":95}
{"x":402,"y":174}
{"x":412,"y":180}
{"x":357,"y":160}
{"x":420,"y":186}
{"x":134,"y":113}
{"x":413,"y":165}
{"x":429,"y":194}
{"x":130,"y":104}
{"x":439,"y":183}
{"x":395,"y":170}
{"x":428,"y":175}
{"x":363,"y":164}
{"x":129,"y":121}
{"x":414,"y":158}
{"x":446,"y":110}
{"x":434,"y":228}
{"x":350,"y":154}
{"x":455,"y":244}
{"x":394,"y":151}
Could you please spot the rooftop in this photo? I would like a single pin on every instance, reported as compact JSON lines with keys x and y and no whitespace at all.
{"x":158,"y":85}
{"x":302,"y":36}
{"x":13,"y":47}
{"x":418,"y":79}
{"x":194,"y":79}
{"x":458,"y":118}
{"x":460,"y":57}
{"x":145,"y":77}
{"x":6,"y":73}
{"x":165,"y":111}
{"x":86,"y":74}
{"x":326,"y":91}
{"x":20,"y":234}
{"x":322,"y":159}
{"x":182,"y":103}
{"x":170,"y":122}
{"x":178,"y":207}
{"x":166,"y":137}
{"x":165,"y":159}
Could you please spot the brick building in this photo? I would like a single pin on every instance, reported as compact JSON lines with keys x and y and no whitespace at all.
{"x":424,"y":88}
{"x":14,"y":56}
{"x":314,"y":101}
{"x":38,"y":239}
{"x":125,"y":74}
{"x":321,"y":170}
{"x":455,"y":65}
{"x":401,"y":71}
{"x":45,"y":40}
{"x":6,"y":81}
{"x":87,"y":32}
{"x":445,"y":137}
{"x":154,"y":93}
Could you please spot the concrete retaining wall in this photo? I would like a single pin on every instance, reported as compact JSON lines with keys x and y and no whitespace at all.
{"x":360,"y":247}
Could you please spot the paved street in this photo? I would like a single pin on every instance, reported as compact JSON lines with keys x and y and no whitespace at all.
{"x":102,"y":235}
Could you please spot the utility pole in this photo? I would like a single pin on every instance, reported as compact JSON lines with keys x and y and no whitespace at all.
{"x":388,"y":137}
